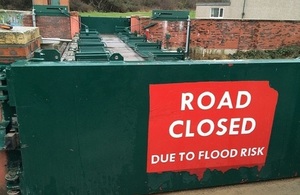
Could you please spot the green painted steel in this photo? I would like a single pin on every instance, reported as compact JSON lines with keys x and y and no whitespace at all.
{"x":170,"y":15}
{"x":160,"y":55}
{"x":46,"y":55}
{"x":92,"y":56}
{"x":51,"y":10}
{"x":90,"y":47}
{"x":104,"y":25}
{"x":55,"y":2}
{"x":84,"y":126}
{"x":2,"y":135}
{"x":89,"y":36}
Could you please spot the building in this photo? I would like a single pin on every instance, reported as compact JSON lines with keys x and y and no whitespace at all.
{"x":287,"y":10}
{"x":231,"y":25}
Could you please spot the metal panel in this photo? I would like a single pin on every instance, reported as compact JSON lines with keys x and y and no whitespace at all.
{"x":51,"y":10}
{"x":104,"y":25}
{"x":170,"y":15}
{"x":84,"y":126}
{"x":55,"y":2}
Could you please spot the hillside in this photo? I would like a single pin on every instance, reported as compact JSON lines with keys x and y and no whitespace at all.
{"x":129,"y":5}
{"x":108,"y":5}
{"x":16,"y":4}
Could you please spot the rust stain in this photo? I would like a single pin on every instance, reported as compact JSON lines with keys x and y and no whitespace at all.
{"x":3,"y":162}
{"x":200,"y":172}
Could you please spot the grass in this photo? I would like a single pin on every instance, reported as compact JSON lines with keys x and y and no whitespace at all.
{"x":122,"y":15}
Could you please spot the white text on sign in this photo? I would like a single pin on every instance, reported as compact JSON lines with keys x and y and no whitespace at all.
{"x":206,"y":155}
{"x":231,"y":126}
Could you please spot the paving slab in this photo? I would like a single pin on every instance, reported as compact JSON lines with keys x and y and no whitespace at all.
{"x":276,"y":187}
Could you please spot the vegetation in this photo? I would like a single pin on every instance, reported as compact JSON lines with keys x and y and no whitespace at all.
{"x":109,"y":5}
{"x":288,"y":52}
{"x":16,"y":4}
{"x":281,"y":53}
{"x":125,"y":14}
{"x":129,"y":5}
{"x":114,"y":14}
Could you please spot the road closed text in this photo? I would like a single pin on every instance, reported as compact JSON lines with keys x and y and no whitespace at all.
{"x":206,"y":127}
{"x":203,"y":125}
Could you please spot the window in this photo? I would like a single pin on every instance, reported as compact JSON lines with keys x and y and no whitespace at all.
{"x":216,"y":12}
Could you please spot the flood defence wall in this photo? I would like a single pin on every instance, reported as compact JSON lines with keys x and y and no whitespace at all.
{"x":142,"y":128}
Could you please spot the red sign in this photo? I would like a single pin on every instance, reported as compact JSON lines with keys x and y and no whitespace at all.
{"x":212,"y":125}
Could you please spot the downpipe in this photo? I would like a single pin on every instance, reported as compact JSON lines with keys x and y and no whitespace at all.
{"x":188,"y":34}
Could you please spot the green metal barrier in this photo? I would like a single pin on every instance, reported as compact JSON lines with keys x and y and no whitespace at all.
{"x":82,"y":44}
{"x":90,"y":47}
{"x":91,"y":56}
{"x":146,"y":45}
{"x":89,"y":31}
{"x":170,"y":15}
{"x":153,"y":51}
{"x":89,"y":36}
{"x":93,"y":48}
{"x":132,"y":40}
{"x":145,"y":49}
{"x":122,"y":29}
{"x":104,"y":25}
{"x":46,"y":55}
{"x":89,"y":41}
{"x":132,"y":43}
{"x":51,"y":10}
{"x":94,"y":128}
{"x":166,"y":56}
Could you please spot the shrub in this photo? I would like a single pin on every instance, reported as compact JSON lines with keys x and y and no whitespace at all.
{"x":78,"y":5}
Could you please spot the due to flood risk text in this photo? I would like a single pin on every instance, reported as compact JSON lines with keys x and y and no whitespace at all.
{"x":207,"y":155}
